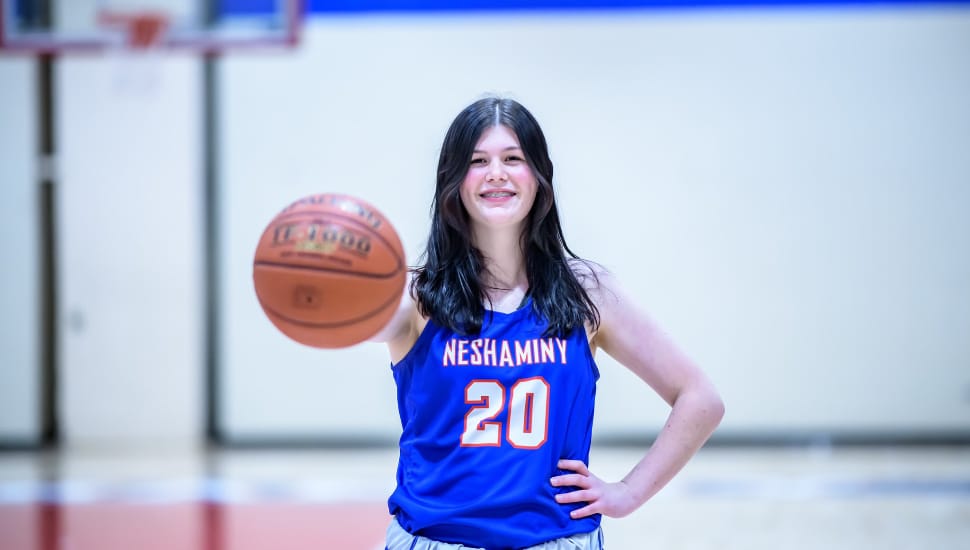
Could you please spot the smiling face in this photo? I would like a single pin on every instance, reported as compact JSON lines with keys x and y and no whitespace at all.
{"x":499,"y":189}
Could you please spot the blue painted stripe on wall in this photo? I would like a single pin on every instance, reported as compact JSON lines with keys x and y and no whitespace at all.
{"x":240,"y":7}
{"x":506,"y":5}
{"x":246,"y":7}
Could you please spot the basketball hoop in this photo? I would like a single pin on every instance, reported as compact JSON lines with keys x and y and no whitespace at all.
{"x":134,"y":26}
{"x":142,"y":29}
{"x":139,"y":36}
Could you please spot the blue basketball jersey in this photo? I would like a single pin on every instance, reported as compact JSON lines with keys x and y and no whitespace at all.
{"x":485,"y":420}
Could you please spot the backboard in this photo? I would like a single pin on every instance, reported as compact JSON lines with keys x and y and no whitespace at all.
{"x":209,"y":26}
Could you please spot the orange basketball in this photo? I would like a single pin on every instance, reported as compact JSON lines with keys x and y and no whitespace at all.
{"x":329,"y":271}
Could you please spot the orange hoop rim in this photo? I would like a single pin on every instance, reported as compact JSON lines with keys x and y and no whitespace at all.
{"x":143,"y":29}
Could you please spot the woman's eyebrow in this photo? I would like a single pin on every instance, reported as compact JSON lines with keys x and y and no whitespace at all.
{"x":510,"y":148}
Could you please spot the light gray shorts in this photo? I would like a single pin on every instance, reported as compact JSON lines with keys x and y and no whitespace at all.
{"x":399,"y":539}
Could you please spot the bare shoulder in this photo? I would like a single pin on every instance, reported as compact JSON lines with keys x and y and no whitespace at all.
{"x":598,"y":282}
{"x":624,"y":323}
{"x":629,"y":334}
{"x":599,"y":285}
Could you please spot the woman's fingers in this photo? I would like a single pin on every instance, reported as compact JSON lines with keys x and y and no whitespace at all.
{"x":583,"y":512}
{"x":575,"y":465}
{"x":590,"y":488}
{"x":571,"y":480}
{"x":575,"y":496}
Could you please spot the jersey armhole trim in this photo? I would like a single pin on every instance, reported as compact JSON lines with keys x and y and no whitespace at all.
{"x":425,"y":335}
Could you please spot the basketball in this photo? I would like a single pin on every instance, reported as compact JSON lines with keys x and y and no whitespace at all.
{"x":329,"y":271}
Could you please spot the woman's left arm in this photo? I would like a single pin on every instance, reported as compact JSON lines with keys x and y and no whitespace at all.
{"x":631,"y":337}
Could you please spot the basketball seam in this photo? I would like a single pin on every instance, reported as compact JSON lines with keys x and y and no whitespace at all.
{"x":353,"y":321}
{"x":325,"y":270}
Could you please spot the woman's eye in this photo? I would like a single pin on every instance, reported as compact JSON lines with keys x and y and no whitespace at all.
{"x":513,"y":159}
{"x":479,"y":162}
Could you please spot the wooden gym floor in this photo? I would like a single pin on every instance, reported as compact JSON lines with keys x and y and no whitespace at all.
{"x":890,"y":498}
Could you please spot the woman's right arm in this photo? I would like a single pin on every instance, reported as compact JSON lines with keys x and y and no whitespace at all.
{"x":402,"y":331}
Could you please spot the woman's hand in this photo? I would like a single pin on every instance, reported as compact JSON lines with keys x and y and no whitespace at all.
{"x":610,"y":499}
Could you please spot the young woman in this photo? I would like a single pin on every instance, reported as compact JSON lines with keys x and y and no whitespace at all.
{"x":492,"y":351}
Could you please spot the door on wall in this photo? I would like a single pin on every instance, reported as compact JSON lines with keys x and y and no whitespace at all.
{"x":21,"y":357}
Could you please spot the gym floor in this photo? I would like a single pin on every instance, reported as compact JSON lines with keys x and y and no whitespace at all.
{"x":798,"y":497}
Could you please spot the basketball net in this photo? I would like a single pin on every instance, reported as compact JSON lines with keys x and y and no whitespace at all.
{"x":137,"y":56}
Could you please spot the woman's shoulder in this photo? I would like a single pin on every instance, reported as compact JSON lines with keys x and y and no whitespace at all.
{"x":617,"y":311}
{"x":593,"y":276}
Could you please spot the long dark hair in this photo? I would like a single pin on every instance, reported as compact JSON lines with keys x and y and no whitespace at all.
{"x":449,"y":287}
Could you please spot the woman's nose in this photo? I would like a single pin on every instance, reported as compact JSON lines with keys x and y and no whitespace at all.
{"x":496,"y":172}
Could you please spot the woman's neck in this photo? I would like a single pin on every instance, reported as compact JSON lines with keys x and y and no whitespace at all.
{"x":505,"y":278}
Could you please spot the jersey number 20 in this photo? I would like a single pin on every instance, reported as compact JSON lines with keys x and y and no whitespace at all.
{"x":527,"y":422}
